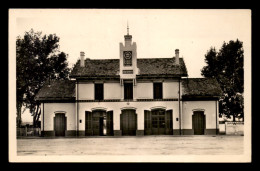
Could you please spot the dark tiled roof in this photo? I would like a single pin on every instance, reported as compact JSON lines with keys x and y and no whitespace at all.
{"x":96,"y":67}
{"x":147,"y":66}
{"x":201,"y":87}
{"x":57,"y":90}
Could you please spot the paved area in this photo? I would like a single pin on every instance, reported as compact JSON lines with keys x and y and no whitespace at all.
{"x":146,"y":145}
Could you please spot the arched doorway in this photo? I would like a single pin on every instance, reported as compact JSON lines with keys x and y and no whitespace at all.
{"x":99,"y":123}
{"x":198,"y":122}
{"x":60,"y":122}
{"x":128,"y":122}
{"x":158,"y":122}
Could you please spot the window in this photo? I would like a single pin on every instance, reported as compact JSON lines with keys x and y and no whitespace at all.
{"x":157,"y":90}
{"x":128,"y":90}
{"x":99,"y":93}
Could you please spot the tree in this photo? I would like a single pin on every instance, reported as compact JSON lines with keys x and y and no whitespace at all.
{"x":37,"y":59}
{"x":227,"y":67}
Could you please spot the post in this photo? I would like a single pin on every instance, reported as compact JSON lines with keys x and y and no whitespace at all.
{"x":180,"y":106}
{"x":216,"y":117}
{"x":77,"y":108}
{"x":43,"y":119}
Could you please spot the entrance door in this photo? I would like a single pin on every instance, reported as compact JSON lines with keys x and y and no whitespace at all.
{"x":59,"y":124}
{"x":158,"y":122}
{"x":128,"y":122}
{"x":198,"y":122}
{"x":98,"y":122}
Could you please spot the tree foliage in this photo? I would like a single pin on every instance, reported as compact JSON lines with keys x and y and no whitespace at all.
{"x":37,"y":60}
{"x":227,"y":67}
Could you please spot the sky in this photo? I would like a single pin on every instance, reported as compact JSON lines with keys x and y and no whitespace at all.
{"x":157,"y":32}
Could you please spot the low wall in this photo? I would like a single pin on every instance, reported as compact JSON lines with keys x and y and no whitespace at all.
{"x":234,"y":128}
{"x":28,"y":131}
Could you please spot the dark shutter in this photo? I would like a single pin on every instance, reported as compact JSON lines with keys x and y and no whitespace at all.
{"x":157,"y":90}
{"x":65,"y":123}
{"x":54,"y":123}
{"x":88,"y":123}
{"x":147,"y":122}
{"x":99,"y":94}
{"x":110,"y":130}
{"x":168,"y":121}
{"x":121,"y":121}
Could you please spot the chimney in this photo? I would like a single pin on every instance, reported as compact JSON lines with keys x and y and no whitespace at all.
{"x":177,"y":56}
{"x":82,"y":56}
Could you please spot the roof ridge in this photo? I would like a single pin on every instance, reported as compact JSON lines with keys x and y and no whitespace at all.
{"x":137,"y":58}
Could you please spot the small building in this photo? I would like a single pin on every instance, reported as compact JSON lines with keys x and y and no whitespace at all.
{"x":129,"y":96}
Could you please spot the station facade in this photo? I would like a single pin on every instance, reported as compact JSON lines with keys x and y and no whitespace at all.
{"x":129,"y":96}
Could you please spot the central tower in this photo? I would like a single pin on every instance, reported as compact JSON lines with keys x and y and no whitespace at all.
{"x":128,"y":59}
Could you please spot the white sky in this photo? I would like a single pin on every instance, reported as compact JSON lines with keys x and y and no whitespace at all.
{"x":157,"y":32}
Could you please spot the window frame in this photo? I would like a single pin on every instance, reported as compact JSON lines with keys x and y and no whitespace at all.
{"x":125,"y":94}
{"x":96,"y":94}
{"x":161,"y":91}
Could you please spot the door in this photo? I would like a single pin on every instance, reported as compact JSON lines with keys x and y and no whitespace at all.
{"x":198,"y":122}
{"x":128,"y":122}
{"x":97,"y":122}
{"x":60,"y":124}
{"x":158,"y":122}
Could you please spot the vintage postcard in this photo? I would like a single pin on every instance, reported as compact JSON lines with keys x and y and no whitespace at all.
{"x":130,"y":85}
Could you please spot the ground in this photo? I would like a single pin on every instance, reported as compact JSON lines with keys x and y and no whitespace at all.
{"x":146,"y":145}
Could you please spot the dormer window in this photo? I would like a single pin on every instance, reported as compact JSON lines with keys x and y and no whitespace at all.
{"x":127,"y":58}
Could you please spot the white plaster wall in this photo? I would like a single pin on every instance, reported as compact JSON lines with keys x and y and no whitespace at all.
{"x":112,"y":91}
{"x":170,"y":89}
{"x":50,"y":108}
{"x":144,"y":91}
{"x":86,"y":91}
{"x":140,"y":107}
{"x":210,"y":112}
{"x":236,"y":128}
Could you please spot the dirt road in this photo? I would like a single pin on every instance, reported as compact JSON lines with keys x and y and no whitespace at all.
{"x":146,"y":145}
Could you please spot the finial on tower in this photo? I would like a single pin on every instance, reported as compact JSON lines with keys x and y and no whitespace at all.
{"x":127,"y":28}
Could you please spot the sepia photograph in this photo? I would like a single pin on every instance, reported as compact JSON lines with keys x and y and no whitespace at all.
{"x":130,"y":85}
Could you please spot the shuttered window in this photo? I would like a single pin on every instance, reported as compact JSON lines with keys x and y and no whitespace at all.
{"x":99,"y":93}
{"x":157,"y":90}
{"x":128,"y":90}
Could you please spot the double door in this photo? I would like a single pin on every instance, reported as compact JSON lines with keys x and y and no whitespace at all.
{"x":128,"y":122}
{"x":158,"y":122}
{"x":99,"y":123}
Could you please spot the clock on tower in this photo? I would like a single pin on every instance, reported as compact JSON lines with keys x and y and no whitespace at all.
{"x":127,"y":58}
